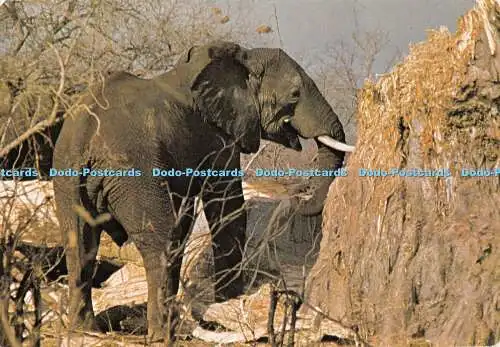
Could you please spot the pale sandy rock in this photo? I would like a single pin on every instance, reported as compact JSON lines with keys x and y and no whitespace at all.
{"x":127,"y":286}
{"x":246,"y":320}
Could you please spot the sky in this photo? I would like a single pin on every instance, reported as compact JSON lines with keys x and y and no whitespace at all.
{"x":309,"y":27}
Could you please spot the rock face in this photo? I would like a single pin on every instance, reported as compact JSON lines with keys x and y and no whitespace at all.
{"x":417,"y":259}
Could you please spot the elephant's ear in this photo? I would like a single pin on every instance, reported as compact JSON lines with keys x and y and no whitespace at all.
{"x":223,"y":95}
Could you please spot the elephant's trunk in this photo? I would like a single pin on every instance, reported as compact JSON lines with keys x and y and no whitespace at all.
{"x":319,"y":122}
{"x":327,"y":159}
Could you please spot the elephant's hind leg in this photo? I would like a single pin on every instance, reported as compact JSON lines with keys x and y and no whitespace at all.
{"x":81,"y":245}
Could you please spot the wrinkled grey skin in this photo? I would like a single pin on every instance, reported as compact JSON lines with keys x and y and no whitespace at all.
{"x":218,"y":101}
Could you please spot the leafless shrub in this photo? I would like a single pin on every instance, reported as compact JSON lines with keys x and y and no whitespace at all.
{"x":23,"y":266}
{"x":346,"y":66}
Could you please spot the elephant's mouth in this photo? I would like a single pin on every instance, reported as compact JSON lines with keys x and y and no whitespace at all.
{"x":282,"y":132}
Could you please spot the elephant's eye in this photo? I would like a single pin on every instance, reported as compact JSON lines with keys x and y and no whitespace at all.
{"x":296,"y":93}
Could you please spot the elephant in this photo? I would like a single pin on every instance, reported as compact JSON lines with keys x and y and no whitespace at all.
{"x":218,"y":101}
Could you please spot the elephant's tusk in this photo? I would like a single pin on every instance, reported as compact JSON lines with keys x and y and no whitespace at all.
{"x":340,"y":146}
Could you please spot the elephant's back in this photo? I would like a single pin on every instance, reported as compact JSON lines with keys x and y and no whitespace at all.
{"x":112,"y":115}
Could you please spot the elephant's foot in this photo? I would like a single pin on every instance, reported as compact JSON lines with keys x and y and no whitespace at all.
{"x":157,"y":338}
{"x":167,"y":331}
{"x":75,"y":335}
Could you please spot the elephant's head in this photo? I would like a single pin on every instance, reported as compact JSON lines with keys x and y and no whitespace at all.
{"x":264,"y":93}
{"x":292,"y":106}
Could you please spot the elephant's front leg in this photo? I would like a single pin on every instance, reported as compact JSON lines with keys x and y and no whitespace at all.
{"x":223,"y":203}
{"x":144,"y":209}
